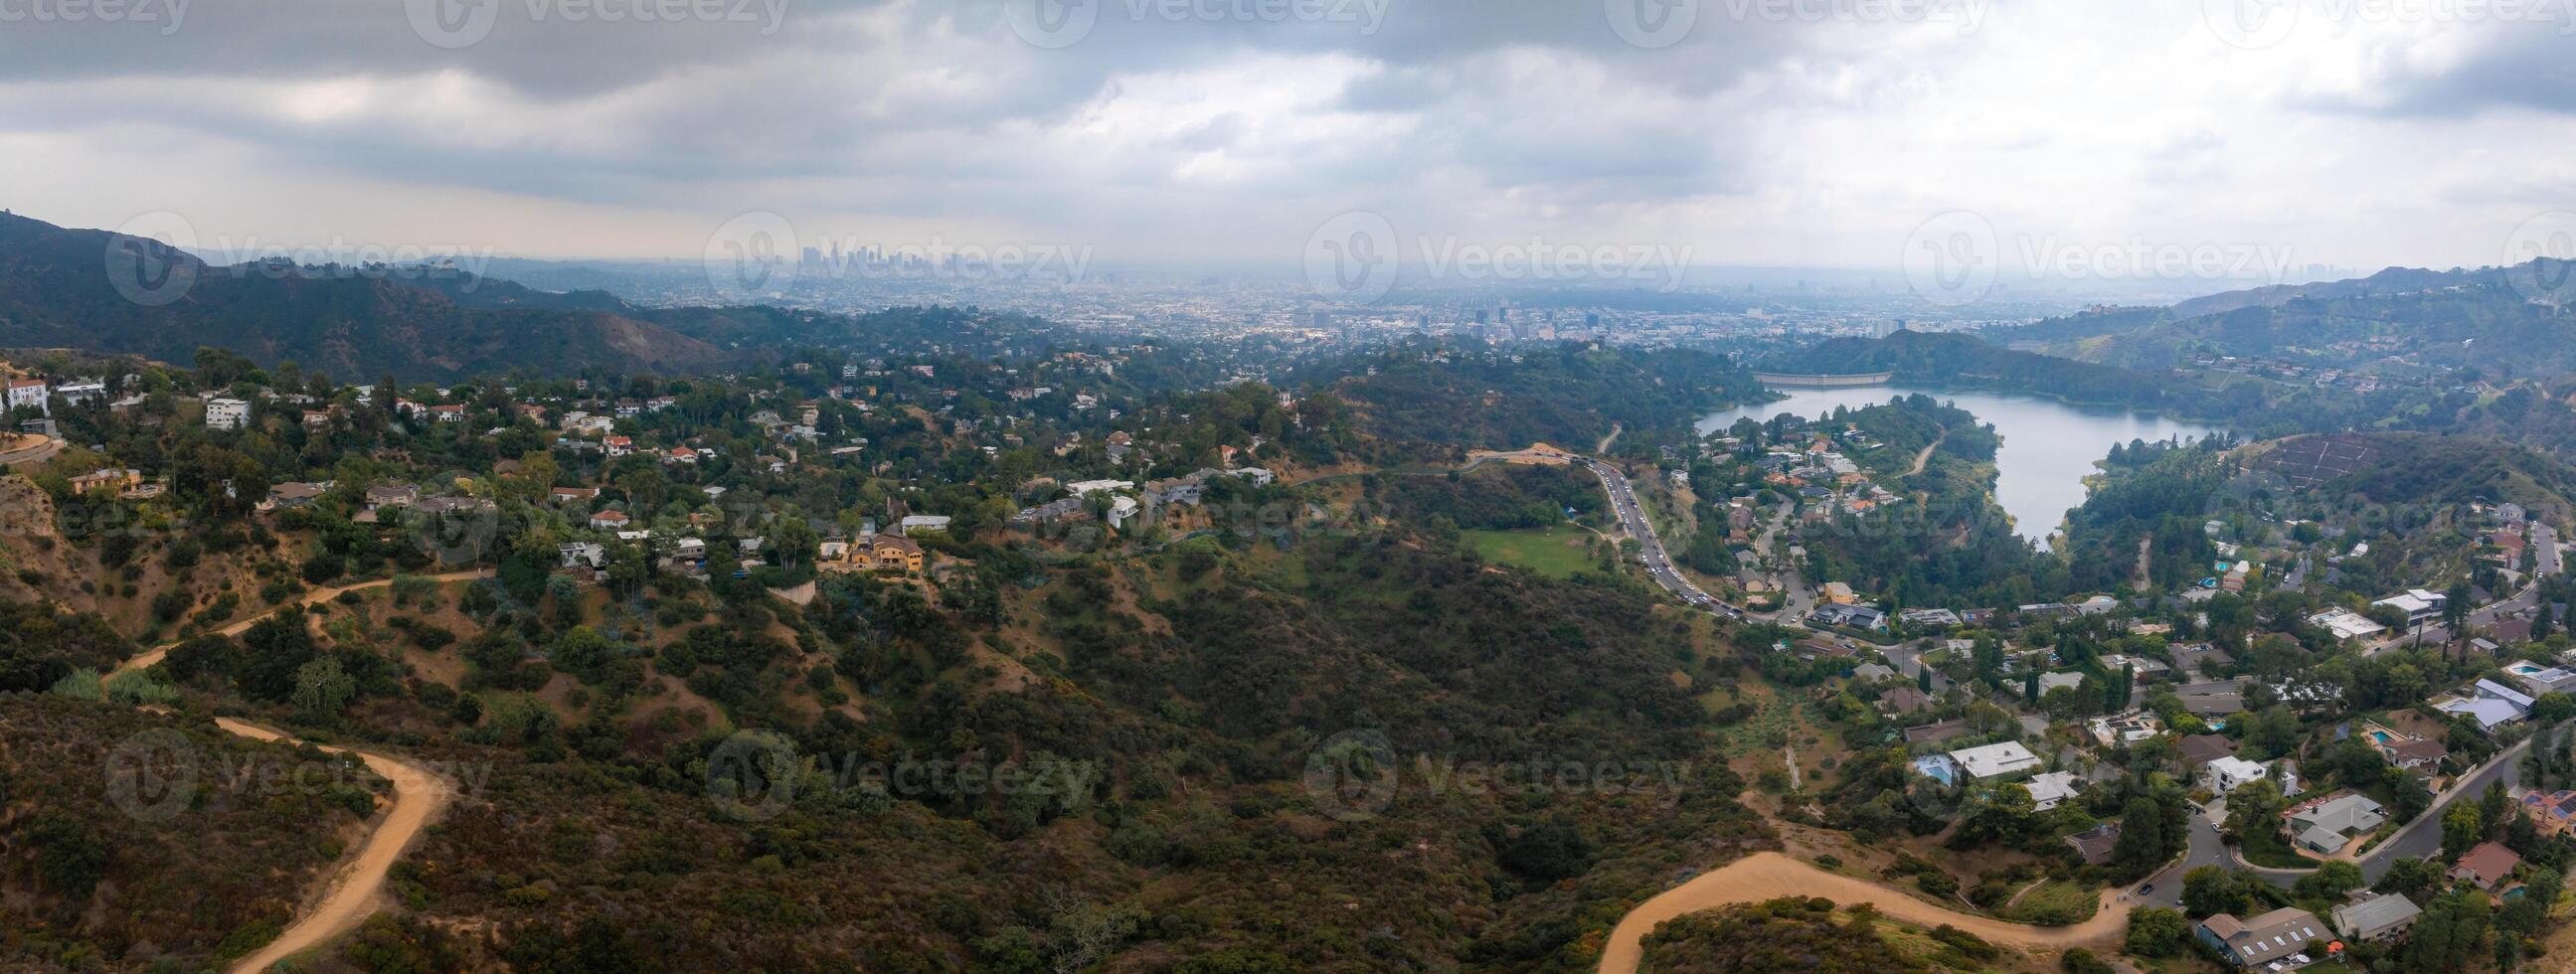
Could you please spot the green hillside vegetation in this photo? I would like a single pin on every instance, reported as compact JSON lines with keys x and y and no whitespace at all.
{"x":1956,"y":361}
{"x":1570,"y":395}
{"x":91,"y":884}
{"x":1807,"y":935}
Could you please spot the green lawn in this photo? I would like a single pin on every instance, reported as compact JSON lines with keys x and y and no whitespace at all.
{"x":1555,"y":551}
{"x":2055,"y":904}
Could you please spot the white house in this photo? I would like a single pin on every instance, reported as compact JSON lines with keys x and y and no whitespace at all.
{"x":2347,"y":624}
{"x":2418,"y":604}
{"x":227,"y":414}
{"x":28,"y":392}
{"x":584,"y":553}
{"x":1996,"y":760}
{"x":2230,"y":773}
{"x":2049,"y":790}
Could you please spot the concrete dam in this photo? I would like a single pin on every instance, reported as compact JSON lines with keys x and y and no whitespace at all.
{"x":1787,"y":380}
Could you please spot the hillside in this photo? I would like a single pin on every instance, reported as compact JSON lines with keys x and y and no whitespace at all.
{"x":1570,"y":394}
{"x":2420,"y":468}
{"x":56,"y":291}
{"x":1949,"y":360}
{"x":2503,"y":321}
{"x":98,"y":871}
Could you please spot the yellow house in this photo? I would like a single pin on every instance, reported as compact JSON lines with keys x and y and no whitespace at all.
{"x":1840,"y":594}
{"x":897,"y":553}
{"x":107,"y":479}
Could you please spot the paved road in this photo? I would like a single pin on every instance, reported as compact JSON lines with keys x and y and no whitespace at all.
{"x":2418,"y":839}
{"x":2422,"y":838}
{"x":1659,"y":563}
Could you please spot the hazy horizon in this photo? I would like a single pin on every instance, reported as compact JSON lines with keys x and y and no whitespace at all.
{"x":2176,"y":143}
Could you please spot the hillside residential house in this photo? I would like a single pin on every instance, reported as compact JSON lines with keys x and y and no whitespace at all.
{"x":2230,"y":773}
{"x":2377,"y":918}
{"x":2325,"y":826}
{"x":2419,"y":605}
{"x":2538,"y":680}
{"x":2197,"y":750}
{"x":2493,"y":704}
{"x":2347,"y":625}
{"x":610,"y":520}
{"x":921,"y":522}
{"x":1996,"y":761}
{"x":2049,"y":790}
{"x":2097,"y":843}
{"x":227,"y":414}
{"x":1903,"y":700}
{"x":2551,"y":811}
{"x":2261,"y":940}
{"x":588,"y":554}
{"x":29,"y":393}
{"x":2414,"y":753}
{"x":2488,"y":865}
{"x":107,"y":480}
{"x":1936,"y":731}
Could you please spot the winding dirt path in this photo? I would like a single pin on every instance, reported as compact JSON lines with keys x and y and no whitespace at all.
{"x":350,"y":896}
{"x":154,"y":655}
{"x":1769,"y":875}
{"x":1924,"y":458}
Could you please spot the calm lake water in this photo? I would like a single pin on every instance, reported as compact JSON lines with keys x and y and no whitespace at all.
{"x":2049,"y":447}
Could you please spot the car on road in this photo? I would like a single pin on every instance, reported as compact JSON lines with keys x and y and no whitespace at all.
{"x":2146,"y":889}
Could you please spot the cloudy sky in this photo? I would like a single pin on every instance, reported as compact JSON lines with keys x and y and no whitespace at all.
{"x":1760,"y":132}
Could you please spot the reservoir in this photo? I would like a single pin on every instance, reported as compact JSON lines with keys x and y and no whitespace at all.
{"x":2049,"y":447}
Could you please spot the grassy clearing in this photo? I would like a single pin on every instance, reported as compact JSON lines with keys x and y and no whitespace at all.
{"x":1555,"y":551}
{"x":2055,"y":904}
